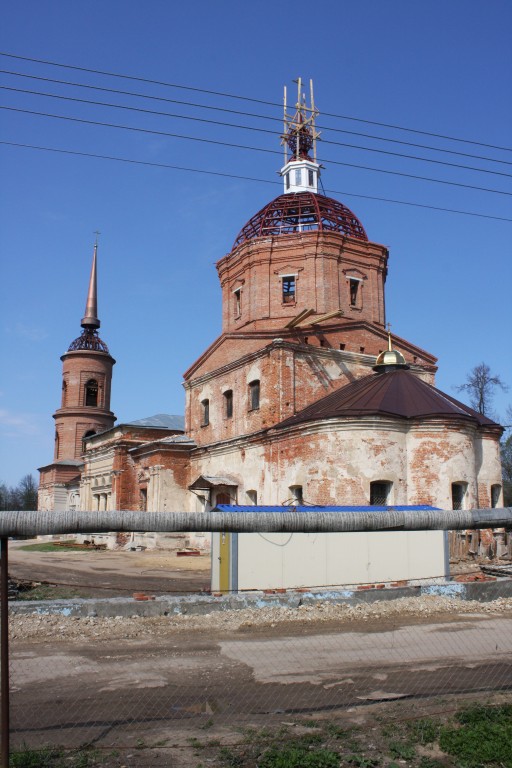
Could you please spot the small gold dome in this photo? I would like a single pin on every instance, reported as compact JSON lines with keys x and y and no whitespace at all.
{"x":390,"y":357}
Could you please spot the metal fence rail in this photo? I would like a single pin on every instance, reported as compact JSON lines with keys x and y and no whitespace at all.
{"x":236,"y":687}
{"x":13,"y":523}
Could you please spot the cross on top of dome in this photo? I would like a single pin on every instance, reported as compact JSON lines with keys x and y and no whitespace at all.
{"x":299,"y":129}
{"x":301,"y":170}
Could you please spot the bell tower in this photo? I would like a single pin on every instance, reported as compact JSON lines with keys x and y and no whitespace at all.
{"x":86,"y":381}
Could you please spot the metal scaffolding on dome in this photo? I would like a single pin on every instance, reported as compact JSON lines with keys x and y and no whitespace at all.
{"x":301,"y":212}
{"x":88,"y":340}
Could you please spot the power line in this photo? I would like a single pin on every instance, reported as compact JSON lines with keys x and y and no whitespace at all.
{"x":246,"y":98}
{"x":250,"y":114}
{"x":246,"y":128}
{"x":83,"y":121}
{"x":245,"y":178}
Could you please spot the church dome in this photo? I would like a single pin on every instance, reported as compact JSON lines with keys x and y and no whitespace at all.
{"x":291,"y":213}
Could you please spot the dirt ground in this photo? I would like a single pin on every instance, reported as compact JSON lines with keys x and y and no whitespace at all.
{"x":182,"y":696}
{"x":106,"y":573}
{"x":188,"y":691}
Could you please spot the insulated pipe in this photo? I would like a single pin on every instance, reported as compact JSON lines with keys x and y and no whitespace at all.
{"x":105,"y":521}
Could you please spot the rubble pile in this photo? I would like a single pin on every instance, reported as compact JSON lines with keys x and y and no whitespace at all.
{"x":42,"y":628}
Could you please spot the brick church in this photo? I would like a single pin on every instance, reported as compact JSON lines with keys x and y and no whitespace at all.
{"x":304,"y":398}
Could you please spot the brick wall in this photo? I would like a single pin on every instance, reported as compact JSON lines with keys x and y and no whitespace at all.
{"x":73,"y":419}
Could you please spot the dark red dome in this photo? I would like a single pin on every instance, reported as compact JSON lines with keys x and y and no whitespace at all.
{"x":301,"y":212}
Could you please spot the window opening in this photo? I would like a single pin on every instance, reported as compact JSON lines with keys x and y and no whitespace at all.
{"x":223,"y":498}
{"x":64,"y":393}
{"x":228,"y":404}
{"x":297,"y":495}
{"x":495,"y":495}
{"x":288,"y":289}
{"x":287,"y":179}
{"x":252,"y":496}
{"x":254,"y":395}
{"x":237,"y":295}
{"x":306,"y":339}
{"x":311,"y":178}
{"x":342,"y":346}
{"x":143,"y":499}
{"x":298,"y":176}
{"x":323,"y":343}
{"x":205,"y":405}
{"x":379,"y":493}
{"x":458,"y":494}
{"x":89,"y":433}
{"x":354,"y":291}
{"x":361,"y":349}
{"x":91,"y":393}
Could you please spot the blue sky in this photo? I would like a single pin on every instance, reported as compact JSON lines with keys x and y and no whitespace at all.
{"x":442,"y":67}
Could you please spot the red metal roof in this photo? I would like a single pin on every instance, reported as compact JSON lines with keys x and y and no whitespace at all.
{"x":398,"y":393}
{"x":301,"y":212}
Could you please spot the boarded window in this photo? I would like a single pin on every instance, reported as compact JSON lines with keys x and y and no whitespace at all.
{"x":254,"y":395}
{"x":91,"y":393}
{"x":379,"y":493}
{"x":289,"y":287}
{"x":228,"y":404}
{"x":143,"y":499}
{"x":205,"y":412}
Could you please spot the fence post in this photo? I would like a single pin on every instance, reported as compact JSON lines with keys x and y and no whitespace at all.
{"x":4,"y":652}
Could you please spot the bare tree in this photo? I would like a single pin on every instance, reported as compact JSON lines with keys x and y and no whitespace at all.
{"x":481,"y":387}
{"x":22,"y":496}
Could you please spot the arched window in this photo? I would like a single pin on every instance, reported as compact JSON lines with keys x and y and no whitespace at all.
{"x":495,"y":495}
{"x":91,"y":393}
{"x":297,"y":495}
{"x":64,"y":393}
{"x":89,"y":433}
{"x":458,"y":495}
{"x":380,"y":492}
{"x":205,"y":416}
{"x":254,"y":395}
{"x":228,"y":404}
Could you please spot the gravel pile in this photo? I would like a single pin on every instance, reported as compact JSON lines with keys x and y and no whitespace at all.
{"x":36,"y":629}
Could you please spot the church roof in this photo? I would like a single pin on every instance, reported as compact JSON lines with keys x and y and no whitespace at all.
{"x":397,"y":393}
{"x":301,"y":212}
{"x":162,"y":420}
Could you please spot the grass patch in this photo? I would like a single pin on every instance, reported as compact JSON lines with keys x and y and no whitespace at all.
{"x":298,"y":756}
{"x":55,"y":757}
{"x":52,"y":546}
{"x":482,"y":737}
{"x":48,"y":592}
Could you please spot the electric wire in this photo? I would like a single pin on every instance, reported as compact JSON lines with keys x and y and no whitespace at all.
{"x":247,"y":128}
{"x":244,"y":146}
{"x":132,"y":161}
{"x":250,"y":114}
{"x":246,"y":98}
